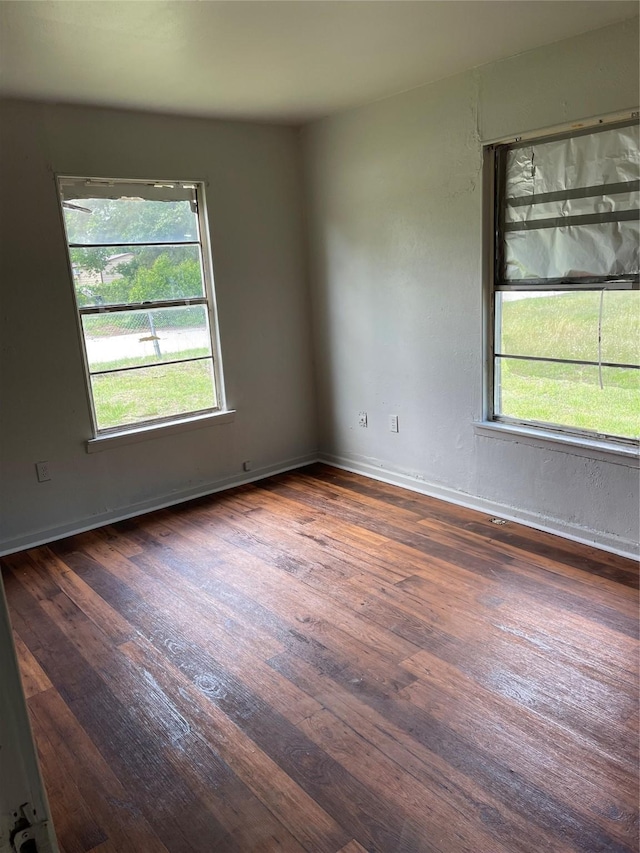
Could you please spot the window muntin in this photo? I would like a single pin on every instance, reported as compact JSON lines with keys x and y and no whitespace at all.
{"x":144,"y":295}
{"x":566,"y":307}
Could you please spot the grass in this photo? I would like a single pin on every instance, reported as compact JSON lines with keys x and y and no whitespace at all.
{"x":562,"y":326}
{"x":147,"y":360}
{"x":566,"y":326}
{"x":161,"y":391}
{"x":612,"y":410}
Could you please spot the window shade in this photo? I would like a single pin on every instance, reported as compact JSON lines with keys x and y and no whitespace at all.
{"x":569,"y":208}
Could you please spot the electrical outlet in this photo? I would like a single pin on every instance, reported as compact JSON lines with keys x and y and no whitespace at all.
{"x":42,"y":472}
{"x":362,"y":419}
{"x":247,"y":465}
{"x":393,"y":423}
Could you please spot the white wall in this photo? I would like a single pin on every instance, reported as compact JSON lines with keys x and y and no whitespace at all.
{"x":253,"y":191}
{"x":394,"y":203}
{"x":395,"y":192}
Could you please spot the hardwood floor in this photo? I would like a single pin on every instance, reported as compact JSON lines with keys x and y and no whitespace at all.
{"x":320,"y":662}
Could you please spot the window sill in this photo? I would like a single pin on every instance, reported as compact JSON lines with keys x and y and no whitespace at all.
{"x":591,"y":448}
{"x":150,"y":431}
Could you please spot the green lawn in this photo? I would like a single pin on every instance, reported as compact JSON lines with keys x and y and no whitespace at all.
{"x":152,"y":392}
{"x":566,"y":326}
{"x":147,"y":360}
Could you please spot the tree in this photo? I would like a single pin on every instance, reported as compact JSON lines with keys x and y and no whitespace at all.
{"x":166,"y":277}
{"x":129,"y":220}
{"x":153,"y":272}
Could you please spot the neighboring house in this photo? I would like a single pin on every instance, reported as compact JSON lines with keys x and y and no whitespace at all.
{"x":88,"y":278}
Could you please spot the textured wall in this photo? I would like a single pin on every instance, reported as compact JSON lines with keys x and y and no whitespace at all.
{"x":396,"y":249}
{"x":252,"y":174}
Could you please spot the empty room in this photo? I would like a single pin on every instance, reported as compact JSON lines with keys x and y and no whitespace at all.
{"x":319,"y":426}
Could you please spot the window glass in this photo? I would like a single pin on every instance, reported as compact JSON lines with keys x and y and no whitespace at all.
{"x":133,"y":248}
{"x":103,"y":221}
{"x":128,"y":274}
{"x":130,"y":338}
{"x":604,"y":401}
{"x":589,"y":325}
{"x":152,"y":393}
{"x":566,"y":348}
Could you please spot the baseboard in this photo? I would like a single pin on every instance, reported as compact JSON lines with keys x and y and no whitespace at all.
{"x":612,"y":544}
{"x":603,"y":541}
{"x":42,"y":537}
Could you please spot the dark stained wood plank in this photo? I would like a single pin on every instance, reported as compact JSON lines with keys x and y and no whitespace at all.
{"x":518,"y":734}
{"x":530,"y":543}
{"x":341,"y":543}
{"x":285,"y":798}
{"x":156,"y":710}
{"x":290,"y":612}
{"x":324,"y":663}
{"x":255,"y":575}
{"x":555,"y":690}
{"x":457,"y":801}
{"x":78,"y":774}
{"x":106,"y":618}
{"x":458,"y":615}
{"x":34,"y":678}
{"x":434,"y":536}
{"x":75,"y":824}
{"x":406,"y":794}
{"x":336,"y":791}
{"x":500,"y":774}
{"x":178,"y":815}
{"x":129,"y":585}
{"x":283,"y":742}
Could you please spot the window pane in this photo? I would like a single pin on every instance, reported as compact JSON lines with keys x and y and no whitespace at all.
{"x":128,"y":220}
{"x":570,"y":395}
{"x":565,"y":325}
{"x":134,"y":245}
{"x":552,"y":325}
{"x":621,"y":326}
{"x":133,"y":338}
{"x":130,"y":274}
{"x":149,"y":393}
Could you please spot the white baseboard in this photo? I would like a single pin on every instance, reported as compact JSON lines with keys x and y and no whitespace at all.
{"x":603,"y":541}
{"x":42,"y":537}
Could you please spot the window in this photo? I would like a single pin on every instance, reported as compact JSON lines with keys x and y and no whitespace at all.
{"x":565,"y":299}
{"x":143,"y":288}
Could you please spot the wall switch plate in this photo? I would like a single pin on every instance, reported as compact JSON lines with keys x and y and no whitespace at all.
{"x":393,"y":423}
{"x":362,"y":419}
{"x":42,"y":472}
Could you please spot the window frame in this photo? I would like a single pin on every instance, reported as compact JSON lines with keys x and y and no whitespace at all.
{"x":138,"y":430}
{"x":495,"y":282}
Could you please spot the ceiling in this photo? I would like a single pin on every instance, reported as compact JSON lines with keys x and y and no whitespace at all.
{"x":268,"y":60}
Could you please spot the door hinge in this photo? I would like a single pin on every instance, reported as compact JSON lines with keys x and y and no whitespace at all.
{"x":28,"y":833}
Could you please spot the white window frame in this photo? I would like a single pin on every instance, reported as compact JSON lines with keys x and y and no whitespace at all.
{"x":494,"y":423}
{"x":140,"y":430}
